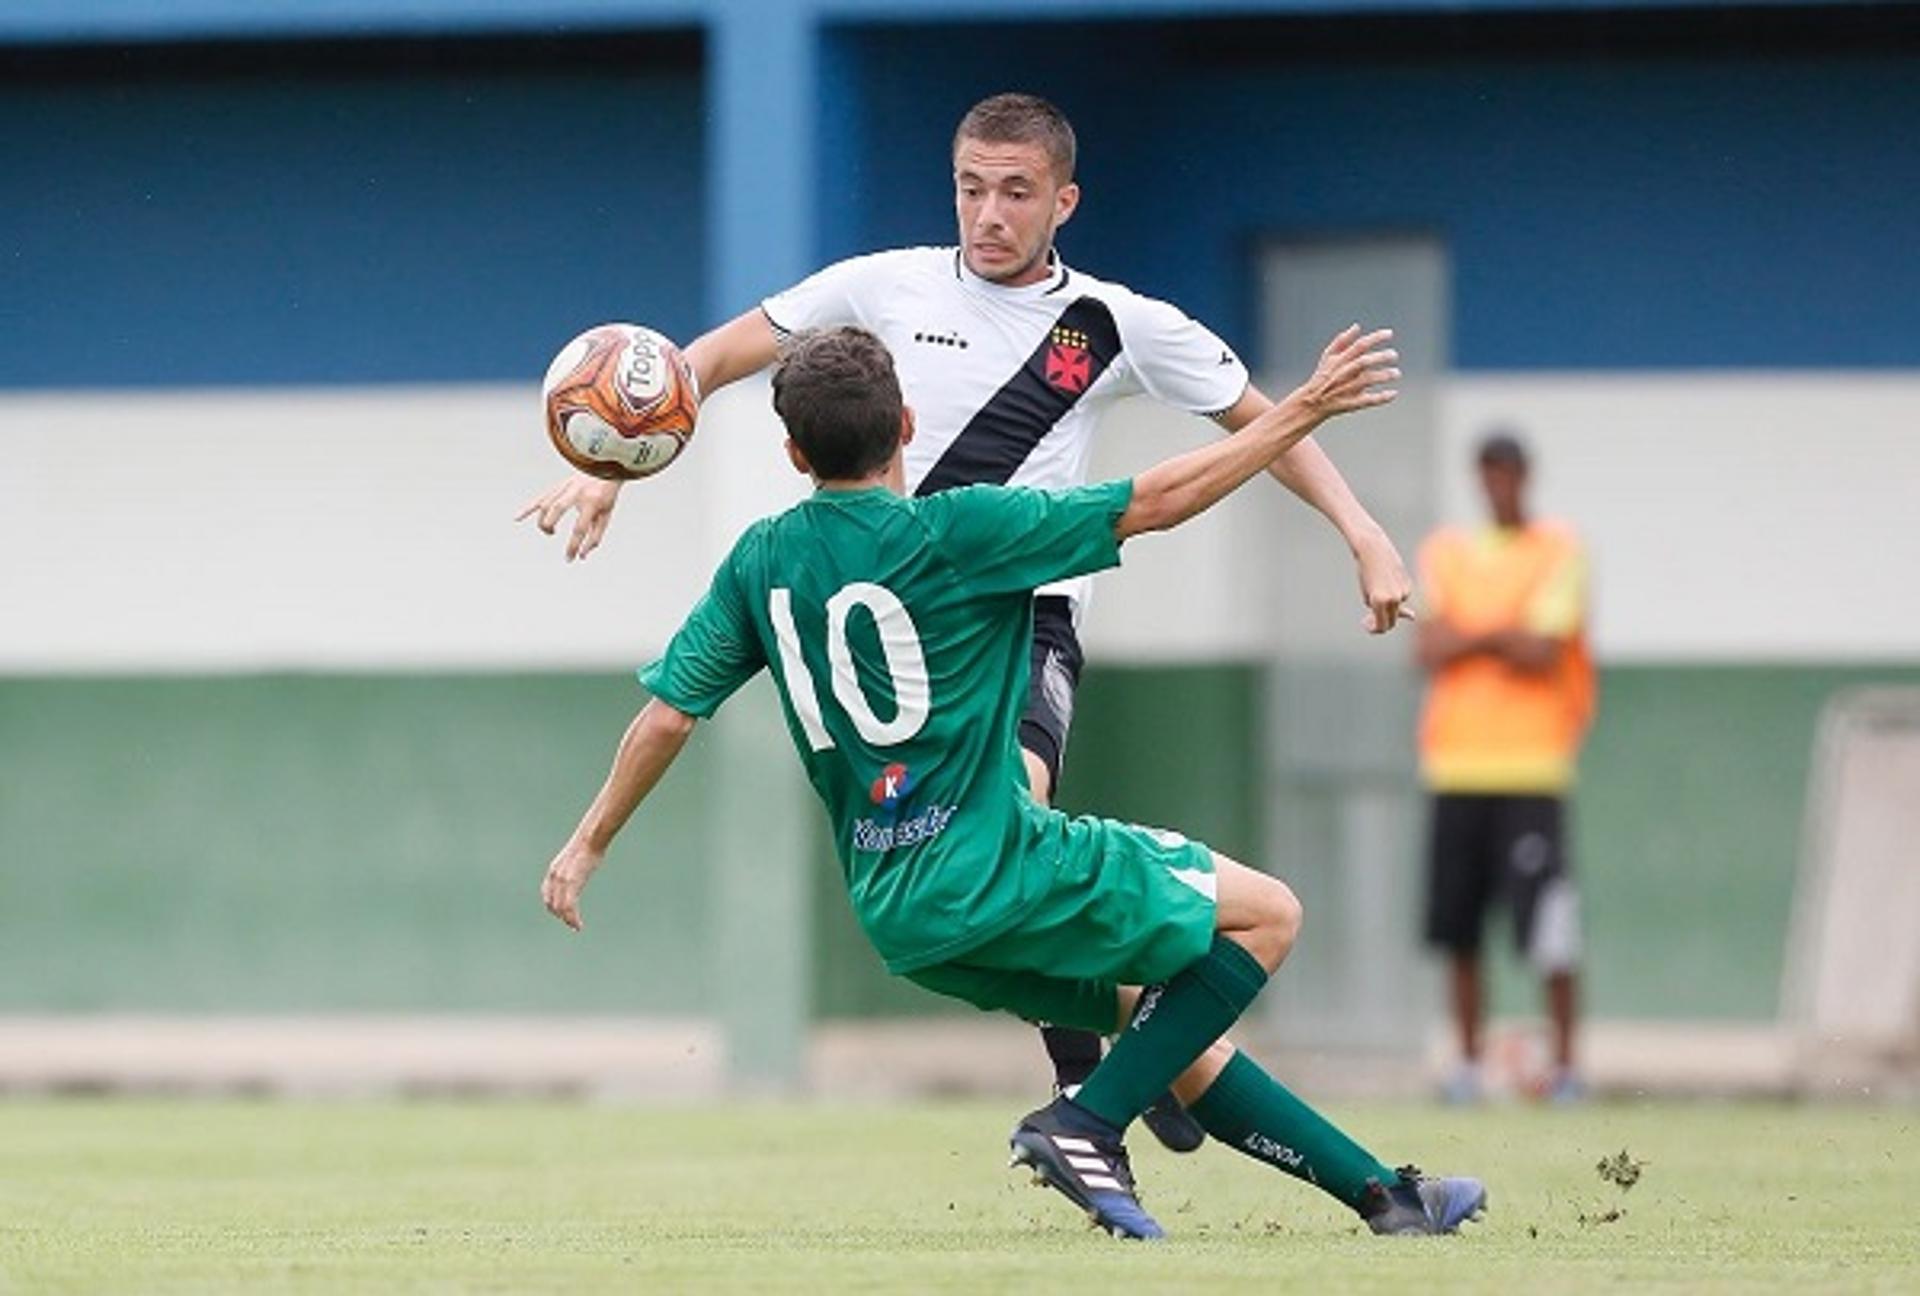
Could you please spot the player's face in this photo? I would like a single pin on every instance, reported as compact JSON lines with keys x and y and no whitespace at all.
{"x":1009,"y":203}
{"x":1505,"y":485}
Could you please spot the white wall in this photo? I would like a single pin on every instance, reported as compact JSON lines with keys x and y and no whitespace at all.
{"x":1735,"y":516}
{"x":1732,"y":516}
{"x":361,"y":528}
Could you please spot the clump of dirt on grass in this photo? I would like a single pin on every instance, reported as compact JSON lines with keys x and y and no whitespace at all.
{"x":1621,"y":1168}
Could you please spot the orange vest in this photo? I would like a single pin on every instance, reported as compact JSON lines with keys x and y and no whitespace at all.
{"x":1488,"y":726}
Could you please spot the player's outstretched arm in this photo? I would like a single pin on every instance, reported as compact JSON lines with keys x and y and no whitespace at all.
{"x":743,"y":345}
{"x":1310,"y":474}
{"x":1352,"y":375}
{"x":646,"y":751}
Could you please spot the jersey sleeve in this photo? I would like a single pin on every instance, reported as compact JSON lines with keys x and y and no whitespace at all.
{"x":712,"y":654}
{"x":827,"y":298}
{"x":1178,"y":360}
{"x":1010,"y":539}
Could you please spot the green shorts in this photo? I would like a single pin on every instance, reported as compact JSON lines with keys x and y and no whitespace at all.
{"x":1128,"y":906}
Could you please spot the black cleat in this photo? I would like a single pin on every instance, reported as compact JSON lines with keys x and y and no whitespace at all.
{"x":1170,"y":1122}
{"x":1089,"y":1170}
{"x":1173,"y":1124}
{"x":1416,"y":1204}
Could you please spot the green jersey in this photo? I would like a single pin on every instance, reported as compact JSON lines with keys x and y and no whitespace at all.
{"x":898,"y":631}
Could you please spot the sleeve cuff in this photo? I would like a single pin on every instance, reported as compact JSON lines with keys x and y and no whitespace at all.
{"x":780,"y":331}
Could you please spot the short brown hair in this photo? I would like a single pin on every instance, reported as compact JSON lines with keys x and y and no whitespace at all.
{"x":836,"y":391}
{"x":1022,"y":119}
{"x":1502,"y":446}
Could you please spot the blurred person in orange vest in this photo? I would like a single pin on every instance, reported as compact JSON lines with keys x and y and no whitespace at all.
{"x":1511,"y":693}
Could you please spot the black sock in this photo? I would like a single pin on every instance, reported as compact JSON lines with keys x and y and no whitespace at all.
{"x":1075,"y":1053}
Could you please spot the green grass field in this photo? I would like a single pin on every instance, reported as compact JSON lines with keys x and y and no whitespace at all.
{"x":121,"y":1196}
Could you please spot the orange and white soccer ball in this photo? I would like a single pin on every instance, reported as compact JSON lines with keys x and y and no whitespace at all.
{"x":621,"y":401}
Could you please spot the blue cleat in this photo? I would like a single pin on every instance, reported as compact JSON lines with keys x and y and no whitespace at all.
{"x":1416,"y":1204}
{"x":1088,"y":1169}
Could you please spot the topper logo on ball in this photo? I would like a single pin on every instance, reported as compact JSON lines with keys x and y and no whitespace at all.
{"x":644,"y":375}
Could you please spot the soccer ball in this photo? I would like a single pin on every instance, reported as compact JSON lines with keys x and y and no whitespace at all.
{"x":621,"y":401}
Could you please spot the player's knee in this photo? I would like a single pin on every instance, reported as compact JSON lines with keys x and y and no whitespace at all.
{"x":1288,"y":914}
{"x":1277,"y":917}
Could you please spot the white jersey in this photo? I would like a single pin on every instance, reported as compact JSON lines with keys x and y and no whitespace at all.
{"x":1006,"y":384}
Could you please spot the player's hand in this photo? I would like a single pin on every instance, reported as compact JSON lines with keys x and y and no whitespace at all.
{"x":1353,"y":373}
{"x":589,"y":499}
{"x":1385,"y":587}
{"x":566,"y":879}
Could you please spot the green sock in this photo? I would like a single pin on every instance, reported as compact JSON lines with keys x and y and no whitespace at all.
{"x":1251,"y":1112}
{"x":1172,"y":1025}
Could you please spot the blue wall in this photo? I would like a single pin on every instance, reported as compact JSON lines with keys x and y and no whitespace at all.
{"x":334,"y":223}
{"x":1606,"y":208}
{"x":273,"y":215}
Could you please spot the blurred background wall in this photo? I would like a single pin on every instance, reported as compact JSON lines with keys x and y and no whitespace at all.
{"x":291,"y":715}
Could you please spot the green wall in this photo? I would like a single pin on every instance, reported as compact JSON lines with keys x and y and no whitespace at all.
{"x":374,"y":843}
{"x":1686,"y":829}
{"x":1688,"y":832}
{"x":339,"y":843}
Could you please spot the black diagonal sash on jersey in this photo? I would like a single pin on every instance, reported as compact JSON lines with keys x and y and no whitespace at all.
{"x":998,"y":439}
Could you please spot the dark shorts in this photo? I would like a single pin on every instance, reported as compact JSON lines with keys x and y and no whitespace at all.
{"x":1502,"y":849}
{"x":1055,"y":674}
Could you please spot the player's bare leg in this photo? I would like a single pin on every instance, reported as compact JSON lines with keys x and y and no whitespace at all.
{"x":1467,"y":1000}
{"x":1463,"y":978}
{"x":1563,"y":1006}
{"x":1075,"y":1053}
{"x":1039,"y":779}
{"x":1562,"y":999}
